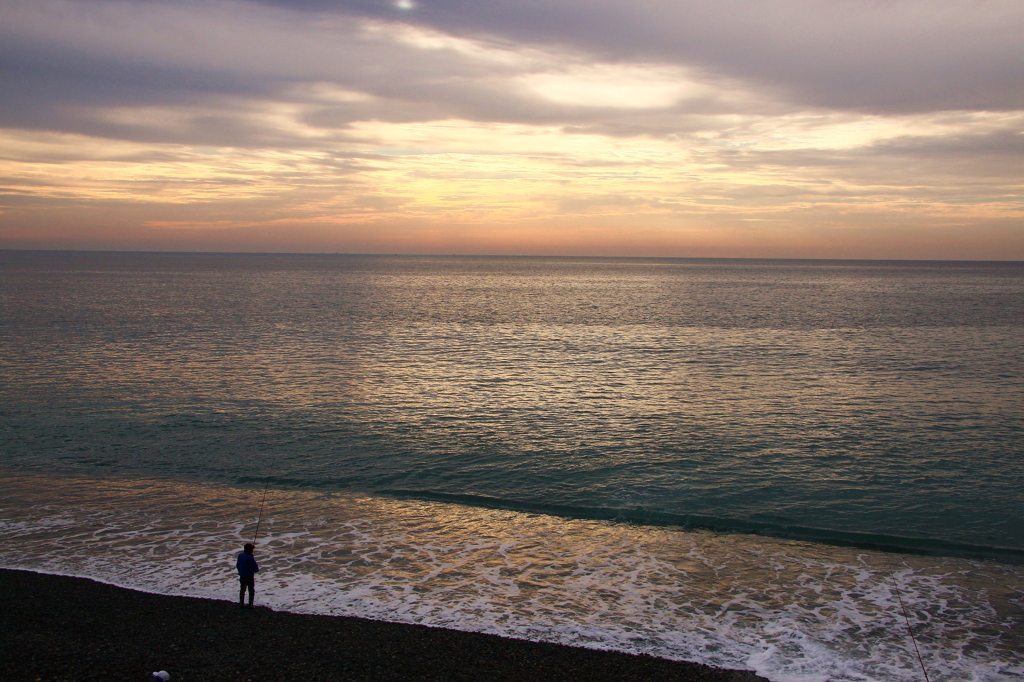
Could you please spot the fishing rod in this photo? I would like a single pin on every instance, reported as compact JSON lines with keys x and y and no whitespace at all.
{"x":907,"y":620}
{"x":262,"y":504}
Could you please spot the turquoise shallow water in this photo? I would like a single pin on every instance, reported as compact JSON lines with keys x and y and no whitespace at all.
{"x":457,"y":441}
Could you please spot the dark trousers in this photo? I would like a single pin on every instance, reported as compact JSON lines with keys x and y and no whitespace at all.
{"x":246,"y":581}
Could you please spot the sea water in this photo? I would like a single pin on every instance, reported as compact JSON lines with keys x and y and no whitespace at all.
{"x":744,"y":463}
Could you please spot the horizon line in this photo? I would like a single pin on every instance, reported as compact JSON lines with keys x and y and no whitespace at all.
{"x":522,"y":256}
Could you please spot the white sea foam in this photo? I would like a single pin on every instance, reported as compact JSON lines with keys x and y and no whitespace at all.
{"x":790,"y":611}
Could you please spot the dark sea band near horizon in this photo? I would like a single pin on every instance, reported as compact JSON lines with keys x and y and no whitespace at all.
{"x":863,"y":404}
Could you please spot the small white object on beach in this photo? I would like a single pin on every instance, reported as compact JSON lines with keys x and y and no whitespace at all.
{"x":162,"y":675}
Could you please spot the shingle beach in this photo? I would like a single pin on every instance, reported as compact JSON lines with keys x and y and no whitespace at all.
{"x":56,"y":628}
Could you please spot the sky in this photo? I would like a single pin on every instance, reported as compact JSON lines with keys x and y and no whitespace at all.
{"x":681,"y":128}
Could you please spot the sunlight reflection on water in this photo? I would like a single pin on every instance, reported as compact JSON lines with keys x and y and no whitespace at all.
{"x":789,"y":610}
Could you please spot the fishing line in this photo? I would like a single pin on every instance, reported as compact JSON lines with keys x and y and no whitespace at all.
{"x":907,"y":620}
{"x":262,"y":504}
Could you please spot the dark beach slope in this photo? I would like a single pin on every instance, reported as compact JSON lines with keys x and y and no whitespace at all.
{"x":73,"y":629}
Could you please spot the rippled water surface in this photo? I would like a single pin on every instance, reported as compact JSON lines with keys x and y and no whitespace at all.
{"x":403,"y":404}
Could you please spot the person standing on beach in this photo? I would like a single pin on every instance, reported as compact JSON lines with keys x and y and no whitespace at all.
{"x":247,"y":570}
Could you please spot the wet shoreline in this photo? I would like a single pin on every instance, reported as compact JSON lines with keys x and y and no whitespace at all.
{"x":63,"y":628}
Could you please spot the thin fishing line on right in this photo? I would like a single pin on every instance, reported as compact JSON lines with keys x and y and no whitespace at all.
{"x":906,"y":619}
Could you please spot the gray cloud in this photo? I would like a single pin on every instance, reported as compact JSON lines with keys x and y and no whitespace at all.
{"x":989,"y":155}
{"x":765,"y":88}
{"x":994,"y":146}
{"x":66,"y":64}
{"x":891,"y":56}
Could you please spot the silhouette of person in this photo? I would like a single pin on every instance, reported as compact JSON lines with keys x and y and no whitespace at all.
{"x":247,"y":570}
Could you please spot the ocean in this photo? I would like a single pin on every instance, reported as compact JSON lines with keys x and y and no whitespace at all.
{"x":746,"y":463}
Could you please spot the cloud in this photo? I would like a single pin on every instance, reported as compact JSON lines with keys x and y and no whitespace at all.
{"x":897,"y":56}
{"x":244,"y":74}
{"x":609,"y":67}
{"x":737,"y":114}
{"x":889,"y":56}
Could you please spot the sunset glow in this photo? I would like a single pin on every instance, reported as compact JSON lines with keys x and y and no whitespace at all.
{"x":289,"y":126}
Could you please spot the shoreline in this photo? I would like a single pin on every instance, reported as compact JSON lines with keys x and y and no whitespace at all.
{"x":60,"y":628}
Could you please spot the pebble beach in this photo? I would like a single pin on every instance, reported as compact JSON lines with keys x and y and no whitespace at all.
{"x":64,"y":629}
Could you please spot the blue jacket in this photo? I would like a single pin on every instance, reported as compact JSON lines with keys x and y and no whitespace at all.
{"x":246,"y":565}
